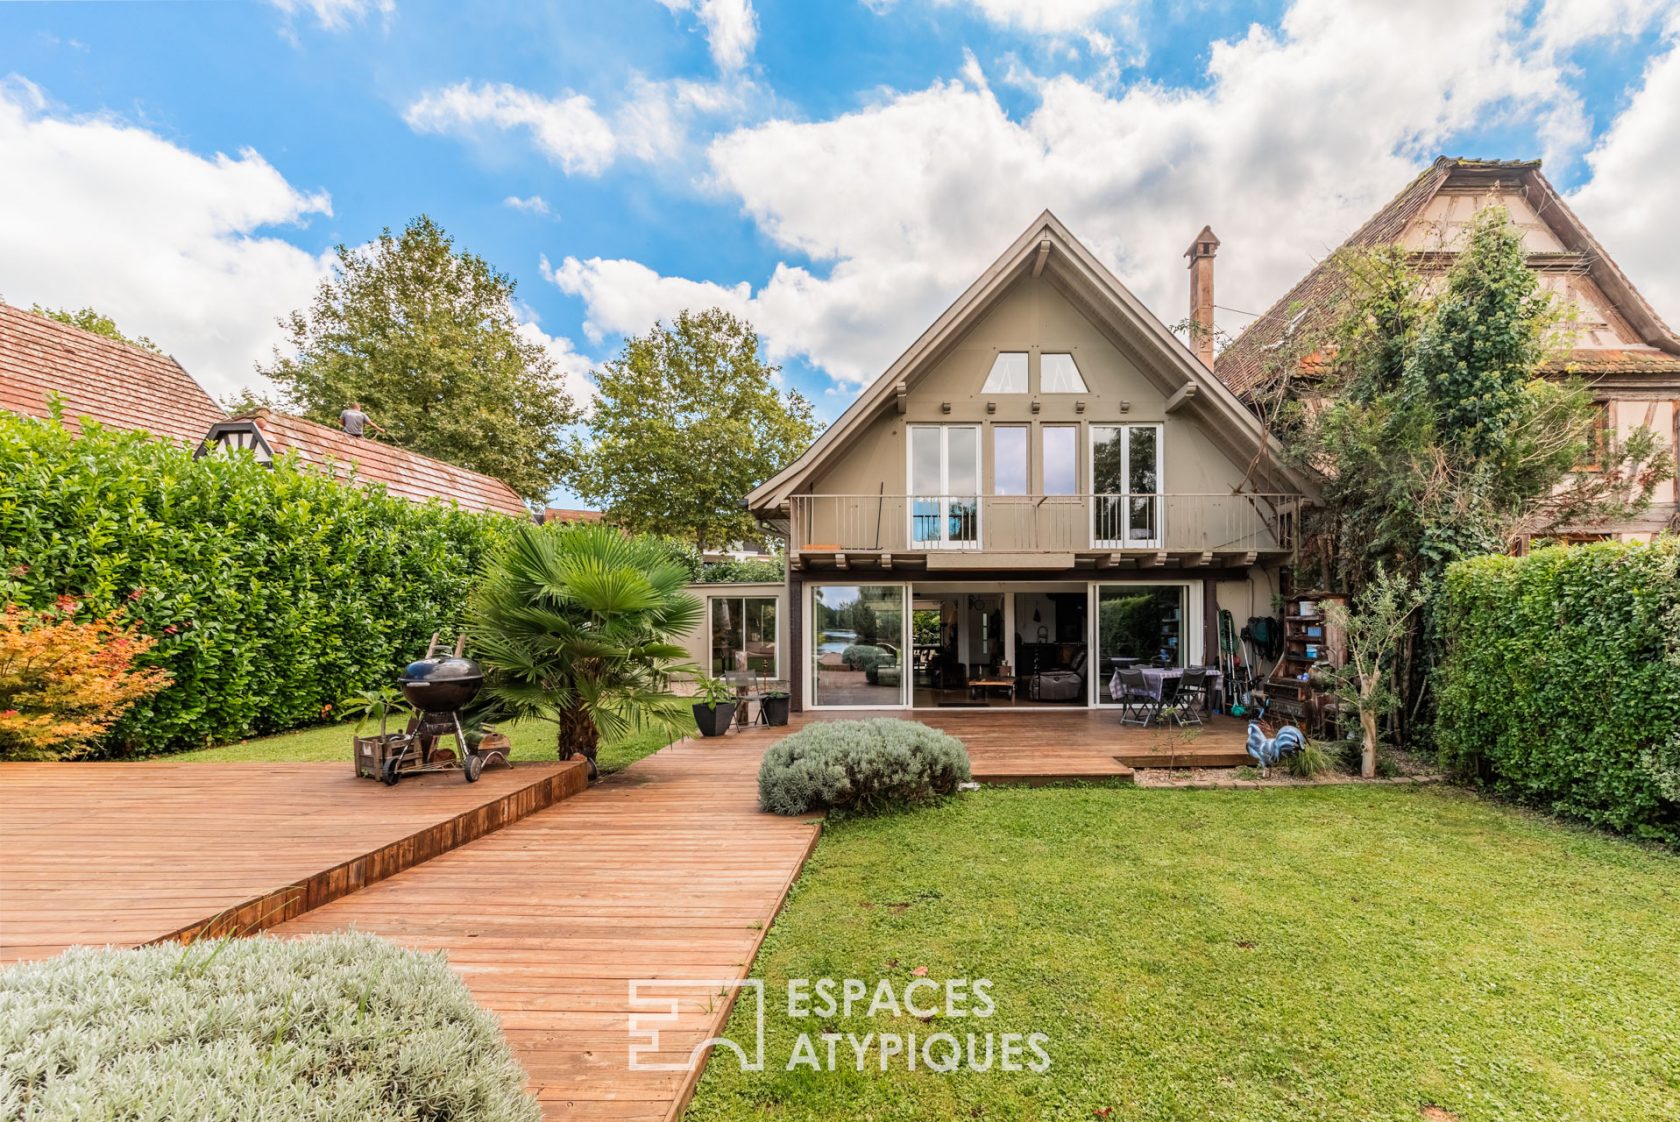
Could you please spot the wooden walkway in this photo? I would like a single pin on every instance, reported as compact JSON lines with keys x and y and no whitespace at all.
{"x":666,"y":871}
{"x":133,"y":853}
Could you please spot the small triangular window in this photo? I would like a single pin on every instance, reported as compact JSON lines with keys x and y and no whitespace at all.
{"x":1009,"y":373}
{"x":1058,"y":373}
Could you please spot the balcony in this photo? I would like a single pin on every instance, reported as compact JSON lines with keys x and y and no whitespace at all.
{"x":1038,"y":531}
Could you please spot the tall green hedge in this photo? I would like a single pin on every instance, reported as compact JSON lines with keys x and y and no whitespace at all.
{"x":1561,"y":682}
{"x":273,"y":593}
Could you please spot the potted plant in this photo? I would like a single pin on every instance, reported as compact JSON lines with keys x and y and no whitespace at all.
{"x":714,"y":706}
{"x":371,"y":752}
{"x":774,"y":705}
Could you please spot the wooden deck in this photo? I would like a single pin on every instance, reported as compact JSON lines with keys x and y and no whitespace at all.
{"x":1045,"y":745}
{"x":134,"y":853}
{"x":665,"y":871}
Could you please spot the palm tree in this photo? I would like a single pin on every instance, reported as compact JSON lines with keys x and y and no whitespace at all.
{"x":573,"y":625}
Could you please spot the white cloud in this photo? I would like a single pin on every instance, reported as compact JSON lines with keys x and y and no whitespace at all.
{"x":335,"y":15}
{"x":566,"y":129}
{"x":534,"y":204}
{"x":573,"y":367}
{"x":1298,"y":136}
{"x":731,"y":28}
{"x":654,"y":123}
{"x":1628,"y":202}
{"x":97,"y":212}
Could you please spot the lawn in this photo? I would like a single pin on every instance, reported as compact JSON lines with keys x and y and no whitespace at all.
{"x":1325,"y":953}
{"x":532,"y":741}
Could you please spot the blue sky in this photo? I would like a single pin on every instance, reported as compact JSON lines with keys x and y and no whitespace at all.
{"x":837,"y":172}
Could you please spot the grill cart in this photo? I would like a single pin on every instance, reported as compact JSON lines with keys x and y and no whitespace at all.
{"x":438,"y":687}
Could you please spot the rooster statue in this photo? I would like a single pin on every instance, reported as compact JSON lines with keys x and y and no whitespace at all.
{"x":1269,"y":750}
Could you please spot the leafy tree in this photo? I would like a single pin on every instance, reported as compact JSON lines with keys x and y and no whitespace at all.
{"x":574,"y":626}
{"x":246,"y":400}
{"x":1436,"y":434}
{"x":687,"y":421}
{"x":1374,"y":632}
{"x":425,"y":337}
{"x":90,"y":319}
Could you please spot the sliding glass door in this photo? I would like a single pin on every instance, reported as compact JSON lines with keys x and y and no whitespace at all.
{"x":858,"y":647}
{"x":1126,"y":486}
{"x":944,"y":486}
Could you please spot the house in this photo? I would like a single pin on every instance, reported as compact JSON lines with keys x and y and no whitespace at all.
{"x":1046,"y":482}
{"x":119,"y":385}
{"x":266,"y":434}
{"x":567,"y":516}
{"x":1624,"y":351}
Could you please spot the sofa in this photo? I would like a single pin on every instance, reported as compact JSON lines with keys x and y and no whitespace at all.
{"x":1062,"y":684}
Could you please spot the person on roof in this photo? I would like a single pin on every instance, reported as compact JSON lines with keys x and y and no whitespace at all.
{"x":355,"y":421}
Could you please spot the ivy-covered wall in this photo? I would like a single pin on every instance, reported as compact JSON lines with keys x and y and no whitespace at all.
{"x":273,"y":593}
{"x":1561,"y":682}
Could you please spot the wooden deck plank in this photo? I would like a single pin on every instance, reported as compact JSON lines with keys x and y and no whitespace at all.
{"x":667,"y":870}
{"x":131,"y":853}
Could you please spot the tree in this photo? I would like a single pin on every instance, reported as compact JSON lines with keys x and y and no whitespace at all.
{"x":89,"y":319}
{"x":1373,"y":632}
{"x":1437,"y":436}
{"x":574,"y":625}
{"x":425,"y":337}
{"x":687,"y":421}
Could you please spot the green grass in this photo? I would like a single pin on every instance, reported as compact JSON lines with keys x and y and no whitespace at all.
{"x":533,"y":741}
{"x":1312,"y":953}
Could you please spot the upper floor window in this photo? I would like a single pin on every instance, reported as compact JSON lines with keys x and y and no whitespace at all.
{"x":1598,"y":439}
{"x":1061,"y":459}
{"x":1009,"y":460}
{"x":1058,"y":373}
{"x":1009,"y":373}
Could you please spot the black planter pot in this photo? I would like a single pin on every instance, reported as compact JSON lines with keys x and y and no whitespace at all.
{"x":714,"y":721}
{"x":775,"y":710}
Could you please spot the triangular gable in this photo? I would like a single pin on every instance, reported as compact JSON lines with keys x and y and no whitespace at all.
{"x":1046,"y":249}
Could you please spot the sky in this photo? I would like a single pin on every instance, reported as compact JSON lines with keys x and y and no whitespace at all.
{"x":836,"y":172}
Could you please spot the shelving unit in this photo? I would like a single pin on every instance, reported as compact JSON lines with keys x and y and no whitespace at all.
{"x":1309,"y":641}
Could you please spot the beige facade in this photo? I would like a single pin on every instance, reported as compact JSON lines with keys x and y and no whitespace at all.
{"x":1047,"y":451}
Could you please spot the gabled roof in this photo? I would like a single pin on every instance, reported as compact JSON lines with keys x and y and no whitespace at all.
{"x":117,"y":384}
{"x":406,"y":474}
{"x":1047,"y":249}
{"x":1645,"y":344}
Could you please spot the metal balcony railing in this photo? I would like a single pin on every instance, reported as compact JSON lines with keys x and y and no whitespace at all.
{"x":1188,"y":523}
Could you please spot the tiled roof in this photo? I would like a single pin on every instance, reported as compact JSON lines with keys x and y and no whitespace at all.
{"x":566,"y":514}
{"x":117,"y":384}
{"x":404,"y":473}
{"x":1308,"y":309}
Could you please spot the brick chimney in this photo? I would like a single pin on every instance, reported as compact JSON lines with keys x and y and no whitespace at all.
{"x":1201,"y":253}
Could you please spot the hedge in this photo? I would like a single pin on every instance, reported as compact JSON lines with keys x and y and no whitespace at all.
{"x":1561,"y":681}
{"x":333,"y":1028}
{"x":272,"y":592}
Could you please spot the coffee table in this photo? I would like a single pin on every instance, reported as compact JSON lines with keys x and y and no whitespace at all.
{"x":977,"y":687}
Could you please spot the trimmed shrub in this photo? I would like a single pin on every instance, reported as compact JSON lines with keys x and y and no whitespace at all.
{"x":862,"y":656}
{"x":334,"y":1028}
{"x":1561,"y":681}
{"x":270,"y":593}
{"x":863,"y":766}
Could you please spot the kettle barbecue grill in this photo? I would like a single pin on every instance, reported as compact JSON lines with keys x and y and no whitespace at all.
{"x":438,"y":687}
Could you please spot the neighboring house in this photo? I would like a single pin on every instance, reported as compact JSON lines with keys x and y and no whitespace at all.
{"x":567,"y":517}
{"x":1625,"y":352}
{"x":119,"y":385}
{"x":1048,"y":480}
{"x":267,"y":434}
